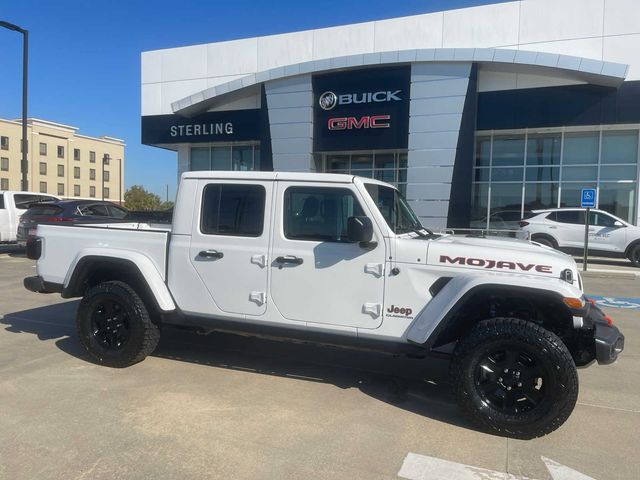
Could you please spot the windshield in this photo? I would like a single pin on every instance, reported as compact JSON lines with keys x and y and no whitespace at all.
{"x":394,"y":208}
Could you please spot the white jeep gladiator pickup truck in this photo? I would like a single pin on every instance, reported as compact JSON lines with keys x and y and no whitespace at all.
{"x":341,"y":260}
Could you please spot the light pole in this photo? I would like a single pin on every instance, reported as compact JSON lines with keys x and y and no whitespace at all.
{"x":105,"y":160}
{"x":24,"y":166}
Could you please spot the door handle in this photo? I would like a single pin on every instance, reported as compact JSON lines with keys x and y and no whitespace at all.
{"x":211,"y":254}
{"x":289,"y":259}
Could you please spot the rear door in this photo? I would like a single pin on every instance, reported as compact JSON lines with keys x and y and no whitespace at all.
{"x":568,"y":228}
{"x":317,"y":275}
{"x":230,"y":243}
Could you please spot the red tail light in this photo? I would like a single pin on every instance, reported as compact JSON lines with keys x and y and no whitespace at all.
{"x":523,"y":223}
{"x":59,"y":219}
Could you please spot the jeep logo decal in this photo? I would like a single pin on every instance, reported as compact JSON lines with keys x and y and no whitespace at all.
{"x":480,"y":262}
{"x":401,"y":310}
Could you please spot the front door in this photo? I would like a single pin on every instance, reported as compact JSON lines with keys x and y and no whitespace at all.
{"x":230,"y":243}
{"x":604,"y":234}
{"x":317,"y":275}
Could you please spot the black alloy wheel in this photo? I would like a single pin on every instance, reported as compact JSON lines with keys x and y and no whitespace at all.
{"x":110,"y":324}
{"x":511,"y":380}
{"x":634,"y":255}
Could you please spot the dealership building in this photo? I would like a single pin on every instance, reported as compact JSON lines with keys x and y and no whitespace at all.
{"x":477,"y":115}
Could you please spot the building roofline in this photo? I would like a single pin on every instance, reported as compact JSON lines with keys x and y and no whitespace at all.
{"x":593,"y":71}
{"x":61,"y":126}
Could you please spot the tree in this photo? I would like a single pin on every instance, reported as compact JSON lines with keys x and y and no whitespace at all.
{"x":137,"y":198}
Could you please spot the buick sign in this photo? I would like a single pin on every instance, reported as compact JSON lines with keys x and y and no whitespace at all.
{"x":328,"y":100}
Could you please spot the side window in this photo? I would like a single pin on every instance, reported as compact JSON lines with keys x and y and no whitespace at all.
{"x":319,"y":214}
{"x":116,"y":212}
{"x":600,"y":219}
{"x":574,"y":217}
{"x":229,"y":209}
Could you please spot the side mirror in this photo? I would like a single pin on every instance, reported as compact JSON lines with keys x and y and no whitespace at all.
{"x":618,"y":223}
{"x":359,"y":229}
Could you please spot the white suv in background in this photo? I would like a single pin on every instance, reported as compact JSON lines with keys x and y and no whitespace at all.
{"x":563,"y":229}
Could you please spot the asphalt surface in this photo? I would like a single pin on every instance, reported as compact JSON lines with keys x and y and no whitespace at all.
{"x":231,"y":407}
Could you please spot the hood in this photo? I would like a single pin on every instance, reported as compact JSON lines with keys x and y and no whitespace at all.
{"x":488,"y":254}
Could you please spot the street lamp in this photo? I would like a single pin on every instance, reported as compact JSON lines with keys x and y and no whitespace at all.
{"x":24,"y":166}
{"x":105,"y":161}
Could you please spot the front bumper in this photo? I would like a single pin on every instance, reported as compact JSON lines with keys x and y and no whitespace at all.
{"x":609,"y":341}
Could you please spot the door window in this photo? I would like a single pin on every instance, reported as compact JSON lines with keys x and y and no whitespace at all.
{"x":600,"y":219}
{"x":94,"y":210}
{"x":319,"y":214}
{"x":575,"y":217}
{"x":233,"y":210}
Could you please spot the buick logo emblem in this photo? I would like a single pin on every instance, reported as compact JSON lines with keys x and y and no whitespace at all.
{"x":328,"y":100}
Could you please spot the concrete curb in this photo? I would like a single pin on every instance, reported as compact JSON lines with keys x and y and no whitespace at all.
{"x":599,"y":273}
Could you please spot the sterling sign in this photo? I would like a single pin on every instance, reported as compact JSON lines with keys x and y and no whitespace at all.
{"x":238,"y":125}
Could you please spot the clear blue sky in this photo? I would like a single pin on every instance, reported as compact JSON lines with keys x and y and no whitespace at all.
{"x":85,"y":56}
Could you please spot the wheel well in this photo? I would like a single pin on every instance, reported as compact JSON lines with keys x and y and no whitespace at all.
{"x":544,"y":235}
{"x":632,"y":245}
{"x":91,"y":271}
{"x":543,"y":308}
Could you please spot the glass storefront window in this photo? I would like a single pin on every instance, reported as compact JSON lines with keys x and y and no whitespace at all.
{"x":200,"y":158}
{"x":544,"y":149}
{"x":508,"y":150}
{"x":483,"y":151}
{"x":228,"y":157}
{"x":386,"y":166}
{"x":609,"y":172}
{"x":551,"y":168}
{"x":506,"y":174}
{"x":540,"y":195}
{"x":580,"y":173}
{"x":618,"y":199}
{"x":542,"y":174}
{"x":581,"y":148}
{"x":220,"y":158}
{"x":620,"y":146}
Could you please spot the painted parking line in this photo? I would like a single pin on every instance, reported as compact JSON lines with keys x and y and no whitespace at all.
{"x":627,"y":303}
{"x":422,"y":467}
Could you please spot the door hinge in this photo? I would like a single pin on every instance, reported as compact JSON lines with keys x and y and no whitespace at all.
{"x":376,"y":269}
{"x":257,"y":297}
{"x":372,"y":309}
{"x":260,"y":260}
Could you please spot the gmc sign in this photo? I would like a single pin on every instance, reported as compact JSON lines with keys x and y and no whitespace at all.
{"x":367,"y":121}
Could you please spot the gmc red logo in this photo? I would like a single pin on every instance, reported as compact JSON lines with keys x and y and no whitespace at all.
{"x":351,"y":123}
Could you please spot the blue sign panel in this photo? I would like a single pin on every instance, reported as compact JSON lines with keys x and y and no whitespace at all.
{"x":588,"y":198}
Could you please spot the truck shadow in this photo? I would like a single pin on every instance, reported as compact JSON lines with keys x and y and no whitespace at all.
{"x":416,"y":385}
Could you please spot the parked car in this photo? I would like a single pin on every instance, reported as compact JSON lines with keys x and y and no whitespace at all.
{"x":67,"y":211}
{"x":563,"y":229}
{"x":341,"y":260}
{"x":12,"y":206}
{"x":501,"y":220}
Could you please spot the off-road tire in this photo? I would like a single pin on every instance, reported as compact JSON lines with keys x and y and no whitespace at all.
{"x":561,"y":387}
{"x":143,"y":334}
{"x":634,"y":255}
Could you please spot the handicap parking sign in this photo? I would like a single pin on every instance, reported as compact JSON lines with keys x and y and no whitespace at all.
{"x":588,"y":198}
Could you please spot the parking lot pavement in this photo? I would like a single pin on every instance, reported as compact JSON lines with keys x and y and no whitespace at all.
{"x":232,"y":407}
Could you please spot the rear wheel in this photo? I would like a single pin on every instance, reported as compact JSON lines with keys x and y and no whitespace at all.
{"x":634,"y":255}
{"x":114,"y":325}
{"x":514,"y":378}
{"x":546,"y":241}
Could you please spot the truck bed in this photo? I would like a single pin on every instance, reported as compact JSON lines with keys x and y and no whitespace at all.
{"x":62,"y":245}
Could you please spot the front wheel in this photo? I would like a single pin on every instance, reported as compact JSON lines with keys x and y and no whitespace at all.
{"x":114,"y":325}
{"x":514,"y":378}
{"x":634,"y":255}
